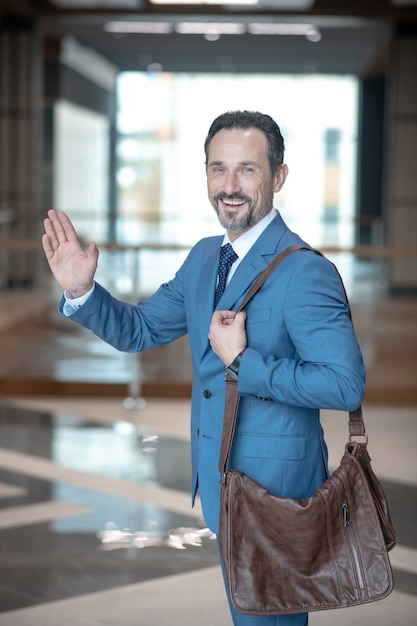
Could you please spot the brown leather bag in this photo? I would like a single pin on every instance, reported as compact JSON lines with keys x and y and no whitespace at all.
{"x":289,"y":555}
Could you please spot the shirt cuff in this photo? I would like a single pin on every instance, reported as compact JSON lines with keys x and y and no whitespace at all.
{"x":72,"y":304}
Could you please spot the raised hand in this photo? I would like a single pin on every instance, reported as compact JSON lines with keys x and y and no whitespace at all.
{"x":72,"y":266}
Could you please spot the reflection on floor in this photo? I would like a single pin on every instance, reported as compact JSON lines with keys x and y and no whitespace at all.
{"x":93,"y":501}
{"x":97,"y":527}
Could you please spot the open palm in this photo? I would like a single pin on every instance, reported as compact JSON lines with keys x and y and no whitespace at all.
{"x":72,"y":266}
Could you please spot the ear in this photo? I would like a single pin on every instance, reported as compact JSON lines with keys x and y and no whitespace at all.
{"x":280,"y":175}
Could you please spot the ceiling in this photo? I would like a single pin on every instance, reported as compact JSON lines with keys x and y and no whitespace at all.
{"x":343,"y":36}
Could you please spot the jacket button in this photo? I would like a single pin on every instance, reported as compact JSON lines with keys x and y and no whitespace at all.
{"x":207,"y":393}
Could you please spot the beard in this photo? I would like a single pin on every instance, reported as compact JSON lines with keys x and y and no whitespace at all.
{"x":237,"y":223}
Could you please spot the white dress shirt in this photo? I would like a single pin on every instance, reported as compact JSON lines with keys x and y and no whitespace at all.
{"x":244,"y":242}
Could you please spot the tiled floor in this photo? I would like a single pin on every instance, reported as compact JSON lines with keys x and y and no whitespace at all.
{"x":95,"y":516}
{"x":97,"y":528}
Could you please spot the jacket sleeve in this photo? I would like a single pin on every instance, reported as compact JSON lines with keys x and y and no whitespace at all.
{"x":325,"y":368}
{"x":135,"y":327}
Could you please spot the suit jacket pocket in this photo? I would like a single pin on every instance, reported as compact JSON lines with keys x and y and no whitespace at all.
{"x":267,"y":446}
{"x":257,"y":316}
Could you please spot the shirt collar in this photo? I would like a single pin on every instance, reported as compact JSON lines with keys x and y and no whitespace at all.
{"x":244,"y":243}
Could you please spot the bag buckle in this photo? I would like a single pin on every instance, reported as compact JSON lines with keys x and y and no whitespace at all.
{"x":354,"y":437}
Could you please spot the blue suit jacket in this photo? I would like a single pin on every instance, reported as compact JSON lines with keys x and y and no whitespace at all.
{"x":302,"y":355}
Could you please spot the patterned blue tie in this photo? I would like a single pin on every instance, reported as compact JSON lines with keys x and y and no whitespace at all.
{"x":227,"y":257}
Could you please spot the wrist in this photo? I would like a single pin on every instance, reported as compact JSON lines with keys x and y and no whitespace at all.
{"x":233,"y":368}
{"x":79,"y":292}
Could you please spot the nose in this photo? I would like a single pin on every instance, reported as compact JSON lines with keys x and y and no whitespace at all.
{"x":232,"y":183}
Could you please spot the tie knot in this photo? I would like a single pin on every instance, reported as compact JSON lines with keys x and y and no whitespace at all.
{"x":227,"y":255}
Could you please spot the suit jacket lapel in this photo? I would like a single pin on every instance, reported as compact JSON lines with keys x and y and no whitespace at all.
{"x":206,"y":286}
{"x":258,"y":257}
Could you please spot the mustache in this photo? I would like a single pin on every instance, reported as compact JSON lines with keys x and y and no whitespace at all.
{"x":234,"y":196}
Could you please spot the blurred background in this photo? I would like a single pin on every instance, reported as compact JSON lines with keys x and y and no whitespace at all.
{"x":104,"y":109}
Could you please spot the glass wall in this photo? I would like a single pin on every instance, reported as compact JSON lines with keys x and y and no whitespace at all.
{"x":81,"y":168}
{"x":162,"y":206}
{"x":163,"y":120}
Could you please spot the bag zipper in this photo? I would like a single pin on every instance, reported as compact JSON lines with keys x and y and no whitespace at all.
{"x":352,"y":542}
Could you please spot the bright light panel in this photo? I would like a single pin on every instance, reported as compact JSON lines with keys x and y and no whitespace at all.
{"x":139,"y":27}
{"x":223,"y":2}
{"x":203,"y":28}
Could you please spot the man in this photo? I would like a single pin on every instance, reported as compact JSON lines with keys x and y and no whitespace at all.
{"x":293,"y":350}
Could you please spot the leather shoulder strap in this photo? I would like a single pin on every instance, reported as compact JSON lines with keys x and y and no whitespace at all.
{"x":261,"y":278}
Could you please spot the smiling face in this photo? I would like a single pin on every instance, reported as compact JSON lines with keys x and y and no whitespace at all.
{"x":240,"y":184}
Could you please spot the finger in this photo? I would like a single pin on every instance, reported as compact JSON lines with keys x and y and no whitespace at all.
{"x":241,"y":317}
{"x":216,"y":319}
{"x":93,"y":250}
{"x":68,"y":228}
{"x":62,"y":226}
{"x":47,"y":247}
{"x":224,"y":315}
{"x":53,"y":242}
{"x":56,"y":226}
